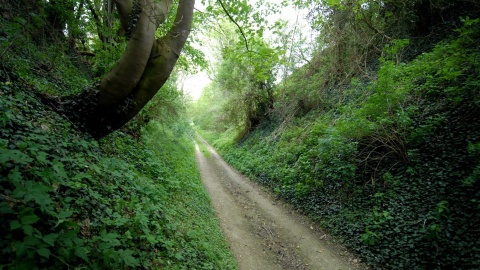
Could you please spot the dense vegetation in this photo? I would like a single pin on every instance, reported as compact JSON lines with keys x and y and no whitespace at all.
{"x":370,"y":125}
{"x":68,"y":201}
{"x":132,"y":200}
{"x":377,"y":136}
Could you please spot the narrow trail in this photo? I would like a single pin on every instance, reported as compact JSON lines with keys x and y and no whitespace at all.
{"x":262,"y":232}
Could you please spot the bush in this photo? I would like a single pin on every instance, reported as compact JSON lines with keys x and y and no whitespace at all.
{"x":393,"y":171}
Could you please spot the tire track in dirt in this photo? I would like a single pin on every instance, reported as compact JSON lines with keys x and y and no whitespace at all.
{"x":263,"y":233}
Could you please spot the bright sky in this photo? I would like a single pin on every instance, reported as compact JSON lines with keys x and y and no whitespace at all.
{"x":194,"y":84}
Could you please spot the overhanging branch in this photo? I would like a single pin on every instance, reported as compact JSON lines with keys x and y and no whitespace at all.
{"x":231,"y":19}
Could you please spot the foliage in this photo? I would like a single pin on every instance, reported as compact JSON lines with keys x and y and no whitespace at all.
{"x":391,"y":167}
{"x":242,"y":92}
{"x":70,"y":202}
{"x":376,"y":137}
{"x":38,"y":59}
{"x":353,"y":34}
{"x":250,"y":19}
{"x":167,"y":107}
{"x":207,"y":111}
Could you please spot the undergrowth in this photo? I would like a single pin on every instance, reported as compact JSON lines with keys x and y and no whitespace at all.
{"x":133,"y":200}
{"x":392,"y":169}
{"x":68,"y":201}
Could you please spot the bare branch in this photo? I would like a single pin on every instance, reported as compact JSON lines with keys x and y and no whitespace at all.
{"x":85,"y":53}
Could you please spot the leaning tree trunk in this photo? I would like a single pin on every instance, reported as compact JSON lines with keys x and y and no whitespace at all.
{"x":140,"y":73}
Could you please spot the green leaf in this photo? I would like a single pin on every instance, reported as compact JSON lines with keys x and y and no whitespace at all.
{"x":82,"y":253}
{"x":27,"y":229}
{"x":19,"y":192}
{"x":19,"y":248}
{"x":50,"y":239}
{"x":81,"y":176}
{"x":15,"y":224}
{"x":151,"y":239}
{"x":127,"y":257}
{"x":29,"y":219}
{"x":64,"y":214}
{"x":42,"y":158}
{"x":38,"y":192}
{"x":31,"y":241}
{"x":14,"y":175}
{"x":59,"y":169}
{"x":44,"y":252}
{"x":14,"y":155}
{"x":67,"y":239}
{"x":179,"y":256}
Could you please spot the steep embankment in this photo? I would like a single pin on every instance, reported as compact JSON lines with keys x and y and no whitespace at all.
{"x":393,"y":167}
{"x":67,"y":201}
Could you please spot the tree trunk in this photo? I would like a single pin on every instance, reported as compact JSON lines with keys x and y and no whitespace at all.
{"x":142,"y":70}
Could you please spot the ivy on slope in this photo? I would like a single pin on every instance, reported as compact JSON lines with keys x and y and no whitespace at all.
{"x":68,"y":202}
{"x":394,"y":170}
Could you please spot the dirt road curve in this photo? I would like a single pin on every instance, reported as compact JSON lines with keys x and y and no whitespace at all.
{"x":264,"y":234}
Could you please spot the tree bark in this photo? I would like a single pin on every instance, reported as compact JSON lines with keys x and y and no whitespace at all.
{"x":118,"y":83}
{"x":143,"y":69}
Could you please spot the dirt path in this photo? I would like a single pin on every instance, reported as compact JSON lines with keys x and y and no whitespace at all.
{"x":263,"y":233}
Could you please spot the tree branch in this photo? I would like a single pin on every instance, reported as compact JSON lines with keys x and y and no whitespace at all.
{"x":123,"y":78}
{"x":238,"y":26}
{"x":85,"y":53}
{"x":369,"y":24}
{"x":124,"y":11}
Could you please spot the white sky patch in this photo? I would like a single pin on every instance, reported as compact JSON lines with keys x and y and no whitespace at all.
{"x":193,"y":85}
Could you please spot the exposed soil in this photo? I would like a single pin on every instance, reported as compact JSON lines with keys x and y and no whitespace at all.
{"x":264,"y":233}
